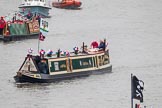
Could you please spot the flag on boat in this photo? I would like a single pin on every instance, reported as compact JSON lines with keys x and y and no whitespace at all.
{"x":137,"y":88}
{"x":41,"y":36}
{"x":43,"y":29}
{"x":43,"y":25}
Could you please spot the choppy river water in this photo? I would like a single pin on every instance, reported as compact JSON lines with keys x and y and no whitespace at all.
{"x":133,"y":29}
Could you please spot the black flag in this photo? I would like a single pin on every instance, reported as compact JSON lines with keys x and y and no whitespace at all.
{"x":137,"y":88}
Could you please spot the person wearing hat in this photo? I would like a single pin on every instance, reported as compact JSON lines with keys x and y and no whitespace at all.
{"x":101,"y":45}
{"x":2,"y":25}
{"x":94,"y":44}
{"x":42,"y":53}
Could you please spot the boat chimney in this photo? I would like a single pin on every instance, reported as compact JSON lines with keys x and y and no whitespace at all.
{"x":83,"y":47}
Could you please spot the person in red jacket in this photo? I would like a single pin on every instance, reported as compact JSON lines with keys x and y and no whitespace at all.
{"x":94,"y":44}
{"x":2,"y":25}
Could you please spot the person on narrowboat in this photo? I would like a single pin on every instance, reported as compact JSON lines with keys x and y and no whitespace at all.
{"x":67,"y":53}
{"x":102,"y":45}
{"x":94,"y":44}
{"x":2,"y":25}
{"x":42,"y":65}
{"x":42,"y":53}
{"x":76,"y":50}
{"x":49,"y":53}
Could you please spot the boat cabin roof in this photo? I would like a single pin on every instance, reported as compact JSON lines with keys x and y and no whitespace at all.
{"x":72,"y":54}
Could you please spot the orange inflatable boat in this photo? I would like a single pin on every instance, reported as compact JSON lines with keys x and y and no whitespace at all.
{"x":67,"y":4}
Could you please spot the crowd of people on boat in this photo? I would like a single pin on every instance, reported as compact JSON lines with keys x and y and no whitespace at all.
{"x":16,"y":18}
{"x":36,"y":16}
{"x":95,"y":47}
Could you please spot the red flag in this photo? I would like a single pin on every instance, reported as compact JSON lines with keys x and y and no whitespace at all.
{"x":41,"y":37}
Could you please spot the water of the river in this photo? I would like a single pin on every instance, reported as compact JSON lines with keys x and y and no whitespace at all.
{"x":133,"y":29}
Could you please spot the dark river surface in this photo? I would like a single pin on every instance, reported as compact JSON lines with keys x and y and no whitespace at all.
{"x":133,"y":29}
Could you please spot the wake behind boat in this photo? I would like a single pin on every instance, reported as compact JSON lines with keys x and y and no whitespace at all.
{"x":32,"y":7}
{"x":56,"y":67}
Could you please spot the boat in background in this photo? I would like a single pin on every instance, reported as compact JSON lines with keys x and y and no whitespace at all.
{"x":18,"y":27}
{"x":62,"y":66}
{"x":67,"y":4}
{"x":35,"y":7}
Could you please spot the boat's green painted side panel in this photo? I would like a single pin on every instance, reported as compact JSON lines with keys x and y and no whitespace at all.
{"x":58,"y":66}
{"x":82,"y":63}
{"x":18,"y":29}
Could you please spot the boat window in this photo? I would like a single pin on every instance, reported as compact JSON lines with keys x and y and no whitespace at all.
{"x":58,"y":66}
{"x":82,"y":63}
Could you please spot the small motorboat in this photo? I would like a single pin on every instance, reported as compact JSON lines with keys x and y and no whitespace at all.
{"x":67,"y":4}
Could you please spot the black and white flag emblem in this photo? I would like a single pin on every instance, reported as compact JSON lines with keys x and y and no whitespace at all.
{"x":137,"y":88}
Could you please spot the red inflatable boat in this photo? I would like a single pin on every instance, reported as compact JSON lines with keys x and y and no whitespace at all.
{"x":67,"y":4}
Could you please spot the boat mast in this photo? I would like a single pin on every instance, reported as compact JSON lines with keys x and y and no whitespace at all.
{"x":104,"y":45}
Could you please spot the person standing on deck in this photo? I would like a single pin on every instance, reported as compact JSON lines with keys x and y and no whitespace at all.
{"x":42,"y":53}
{"x":94,"y":44}
{"x":102,"y":45}
{"x":29,"y":15}
{"x":2,"y":25}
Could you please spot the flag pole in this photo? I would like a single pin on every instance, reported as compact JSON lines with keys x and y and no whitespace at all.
{"x":38,"y":42}
{"x":131,"y":91}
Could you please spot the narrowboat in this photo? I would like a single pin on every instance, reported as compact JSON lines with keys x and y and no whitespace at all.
{"x":20,"y":29}
{"x":35,"y":7}
{"x":67,"y":4}
{"x":46,"y":69}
